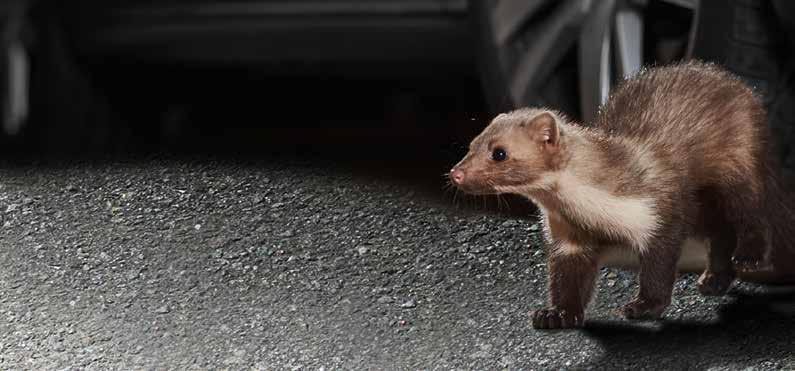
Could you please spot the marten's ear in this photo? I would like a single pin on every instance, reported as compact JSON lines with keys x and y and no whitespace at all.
{"x":544,"y":128}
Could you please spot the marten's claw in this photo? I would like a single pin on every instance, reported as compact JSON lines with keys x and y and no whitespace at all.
{"x":554,"y":318}
{"x":750,"y":264}
{"x":715,"y":284}
{"x":642,"y":309}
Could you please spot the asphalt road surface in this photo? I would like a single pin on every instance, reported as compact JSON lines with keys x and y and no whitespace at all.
{"x":319,"y":262}
{"x":320,"y":248}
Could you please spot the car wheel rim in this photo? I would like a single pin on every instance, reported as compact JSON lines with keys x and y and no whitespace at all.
{"x":531,"y":38}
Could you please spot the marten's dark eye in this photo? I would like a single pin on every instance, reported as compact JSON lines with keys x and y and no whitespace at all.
{"x":498,"y":154}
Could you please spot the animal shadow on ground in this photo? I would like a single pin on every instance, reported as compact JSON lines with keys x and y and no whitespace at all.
{"x":751,"y":327}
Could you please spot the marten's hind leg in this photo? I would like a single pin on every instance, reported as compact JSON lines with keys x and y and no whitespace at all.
{"x":780,"y":218}
{"x":744,"y":208}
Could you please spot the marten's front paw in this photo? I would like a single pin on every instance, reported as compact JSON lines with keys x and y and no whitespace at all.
{"x":715,"y":284}
{"x":554,"y":318}
{"x":643,"y":309}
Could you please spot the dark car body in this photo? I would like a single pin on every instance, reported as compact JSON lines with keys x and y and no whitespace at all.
{"x":559,"y":53}
{"x":350,"y":36}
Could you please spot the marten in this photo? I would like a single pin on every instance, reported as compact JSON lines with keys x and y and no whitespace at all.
{"x":675,"y":174}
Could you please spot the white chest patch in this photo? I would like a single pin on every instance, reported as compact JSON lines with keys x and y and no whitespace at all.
{"x":629,"y":218}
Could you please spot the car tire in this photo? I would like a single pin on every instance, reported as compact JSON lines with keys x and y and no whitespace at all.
{"x":747,"y":38}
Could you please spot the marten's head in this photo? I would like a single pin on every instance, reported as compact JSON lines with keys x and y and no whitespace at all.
{"x":512,"y":155}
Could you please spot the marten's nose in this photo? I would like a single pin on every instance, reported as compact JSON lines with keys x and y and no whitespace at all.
{"x":457,"y":175}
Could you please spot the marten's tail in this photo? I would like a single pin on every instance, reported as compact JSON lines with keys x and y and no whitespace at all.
{"x":780,"y":213}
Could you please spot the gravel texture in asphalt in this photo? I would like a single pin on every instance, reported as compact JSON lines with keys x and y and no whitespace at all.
{"x":278,"y":262}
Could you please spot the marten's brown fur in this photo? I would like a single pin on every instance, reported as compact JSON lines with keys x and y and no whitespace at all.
{"x":677,"y":156}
